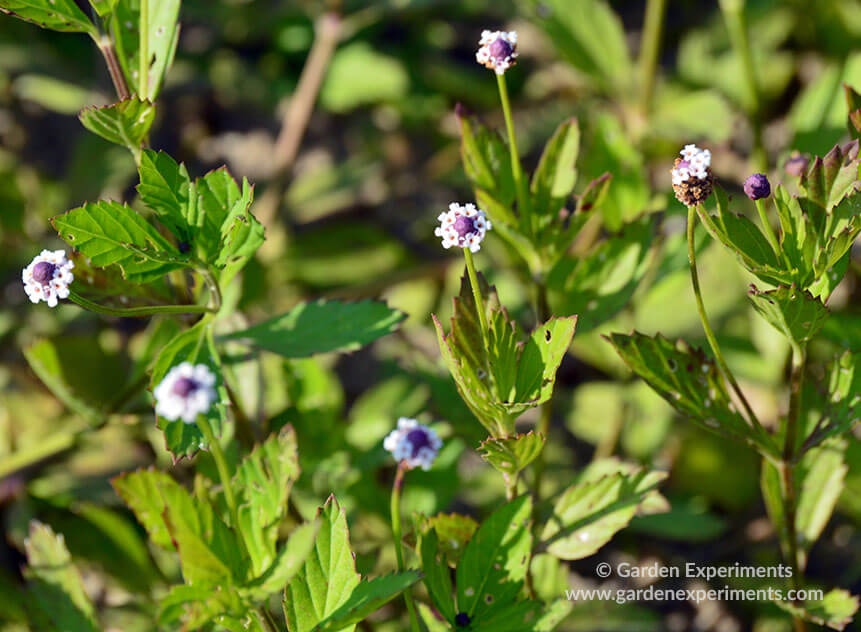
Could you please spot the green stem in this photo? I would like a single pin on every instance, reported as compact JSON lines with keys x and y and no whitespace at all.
{"x":733,"y":12}
{"x":130,"y":312}
{"x":710,"y":336}
{"x":769,"y":231}
{"x":650,"y":49}
{"x":143,"y":50}
{"x":516,"y":169}
{"x":265,"y":619}
{"x":398,"y":537}
{"x":220,"y":465}
{"x":476,"y":295}
{"x":106,"y":46}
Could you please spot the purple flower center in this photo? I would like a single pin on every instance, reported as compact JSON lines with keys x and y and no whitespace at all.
{"x":757,"y":187}
{"x":464,"y":226}
{"x":418,"y":439}
{"x":184,"y":386}
{"x":43,"y":272}
{"x":683,"y":164}
{"x":500,"y":49}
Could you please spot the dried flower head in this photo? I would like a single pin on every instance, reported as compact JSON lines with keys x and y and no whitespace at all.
{"x":413,"y":444}
{"x":48,"y":277}
{"x":497,"y":50}
{"x":692,"y":177}
{"x":463,"y":226}
{"x":796,"y":165}
{"x":757,"y":187}
{"x":185,"y":392}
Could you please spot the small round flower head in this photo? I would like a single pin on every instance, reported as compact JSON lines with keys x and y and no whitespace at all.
{"x":797,"y":165}
{"x":692,"y":177}
{"x":413,"y":444}
{"x":186,"y":391}
{"x":48,"y":277}
{"x":463,"y":226}
{"x":497,"y":50}
{"x":757,"y":187}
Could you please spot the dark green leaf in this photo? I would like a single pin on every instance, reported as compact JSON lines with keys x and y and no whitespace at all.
{"x":57,"y":15}
{"x":125,"y":123}
{"x":166,"y":188}
{"x":556,"y":175}
{"x":793,"y":312}
{"x":514,"y":617}
{"x":437,"y":576}
{"x":366,"y":598}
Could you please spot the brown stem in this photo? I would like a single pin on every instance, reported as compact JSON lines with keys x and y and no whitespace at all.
{"x":106,"y":45}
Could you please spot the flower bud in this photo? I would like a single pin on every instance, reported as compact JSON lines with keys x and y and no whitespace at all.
{"x":757,"y":187}
{"x":796,"y":165}
{"x":413,"y":444}
{"x":497,"y":50}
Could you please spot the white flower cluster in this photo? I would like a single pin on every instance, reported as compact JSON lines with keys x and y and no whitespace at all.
{"x":48,"y":277}
{"x":497,"y":50}
{"x":413,"y":444}
{"x":185,"y":392}
{"x":694,"y":164}
{"x":463,"y":226}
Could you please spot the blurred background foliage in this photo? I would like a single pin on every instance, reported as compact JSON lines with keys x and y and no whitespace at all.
{"x":353,"y":216}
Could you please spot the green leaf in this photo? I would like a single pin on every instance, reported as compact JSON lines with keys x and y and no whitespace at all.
{"x":454,"y":532}
{"x":142,"y":492}
{"x":288,"y":561}
{"x":328,"y":577}
{"x":592,"y":511}
{"x":820,"y":477}
{"x":263,"y":480}
{"x":510,"y":455}
{"x":219,"y":201}
{"x":495,"y":561}
{"x":793,"y":312}
{"x":556,"y":174}
{"x":112,"y":233}
{"x":360,"y":75}
{"x":196,"y":346}
{"x":690,"y":382}
{"x":322,"y":327}
{"x":125,"y":123}
{"x":833,"y":177}
{"x":835,"y":610}
{"x":104,"y":7}
{"x":55,"y":583}
{"x":57,"y":15}
{"x":437,"y":576}
{"x":241,"y":236}
{"x":513,"y":617}
{"x":853,"y":102}
{"x":840,"y":410}
{"x":366,"y":598}
{"x":166,"y":188}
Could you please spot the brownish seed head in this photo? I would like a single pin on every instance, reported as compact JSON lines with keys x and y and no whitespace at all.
{"x":694,"y":190}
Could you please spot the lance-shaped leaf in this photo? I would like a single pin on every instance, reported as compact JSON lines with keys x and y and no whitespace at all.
{"x":125,"y":123}
{"x":322,"y":327}
{"x":112,"y":233}
{"x":366,"y":598}
{"x":832,"y":177}
{"x":195,"y":345}
{"x":486,"y":162}
{"x":263,"y":480}
{"x":794,"y":313}
{"x":853,"y":101}
{"x":493,"y":567}
{"x":327,"y":579}
{"x":690,"y":382}
{"x":556,"y":174}
{"x":142,"y":492}
{"x":592,"y":511}
{"x":57,"y":15}
{"x":510,"y":455}
{"x":841,"y":410}
{"x":55,"y":583}
{"x":437,"y":576}
{"x":835,"y":610}
{"x":289,"y":559}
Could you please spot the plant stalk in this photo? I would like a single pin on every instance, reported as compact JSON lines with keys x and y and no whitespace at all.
{"x":650,"y":48}
{"x":516,"y":169}
{"x":398,"y":536}
{"x":220,"y":465}
{"x":131,"y":312}
{"x":106,"y":46}
{"x":769,"y":231}
{"x":143,"y":50}
{"x":476,"y":295}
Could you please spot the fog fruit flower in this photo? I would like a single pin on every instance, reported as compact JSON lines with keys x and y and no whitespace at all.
{"x":796,"y":165}
{"x":187,"y":391}
{"x":463,"y":226}
{"x":48,"y":277}
{"x":413,"y":444}
{"x":692,"y":176}
{"x":757,"y":187}
{"x":497,"y":50}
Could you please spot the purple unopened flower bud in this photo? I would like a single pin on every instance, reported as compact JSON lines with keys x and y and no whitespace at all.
{"x":757,"y":187}
{"x":796,"y":165}
{"x":464,"y":225}
{"x":500,"y":50}
{"x":183,"y":386}
{"x":43,"y":272}
{"x":497,"y":50}
{"x":413,"y":444}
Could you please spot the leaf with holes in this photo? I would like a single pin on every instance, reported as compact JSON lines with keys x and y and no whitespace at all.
{"x":510,"y":455}
{"x":112,"y":233}
{"x":322,"y":327}
{"x":195,"y":345}
{"x":366,"y":598}
{"x":690,"y":382}
{"x":125,"y":123}
{"x":57,"y":15}
{"x":794,"y":313}
{"x":835,"y":610}
{"x":328,"y":577}
{"x":592,"y":511}
{"x":454,"y":532}
{"x":491,"y":572}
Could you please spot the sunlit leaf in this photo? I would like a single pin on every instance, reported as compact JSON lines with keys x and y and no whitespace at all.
{"x":512,"y":454}
{"x":366,"y":598}
{"x":125,"y":123}
{"x":835,"y":610}
{"x":58,"y":15}
{"x":793,"y":312}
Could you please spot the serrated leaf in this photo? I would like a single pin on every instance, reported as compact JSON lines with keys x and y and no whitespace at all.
{"x":835,"y":610}
{"x":840,"y":410}
{"x":366,"y":598}
{"x":495,"y":561}
{"x":142,"y":492}
{"x":288,"y":560}
{"x":820,"y":477}
{"x":104,"y":232}
{"x":831,"y":178}
{"x":166,"y":188}
{"x":125,"y":123}
{"x":794,"y":313}
{"x":510,"y":455}
{"x":263,"y":480}
{"x":196,"y":346}
{"x":690,"y":382}
{"x":556,"y":175}
{"x":328,"y":577}
{"x":57,"y":15}
{"x":592,"y":511}
{"x":437,"y":576}
{"x":219,"y":201}
{"x":322,"y":327}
